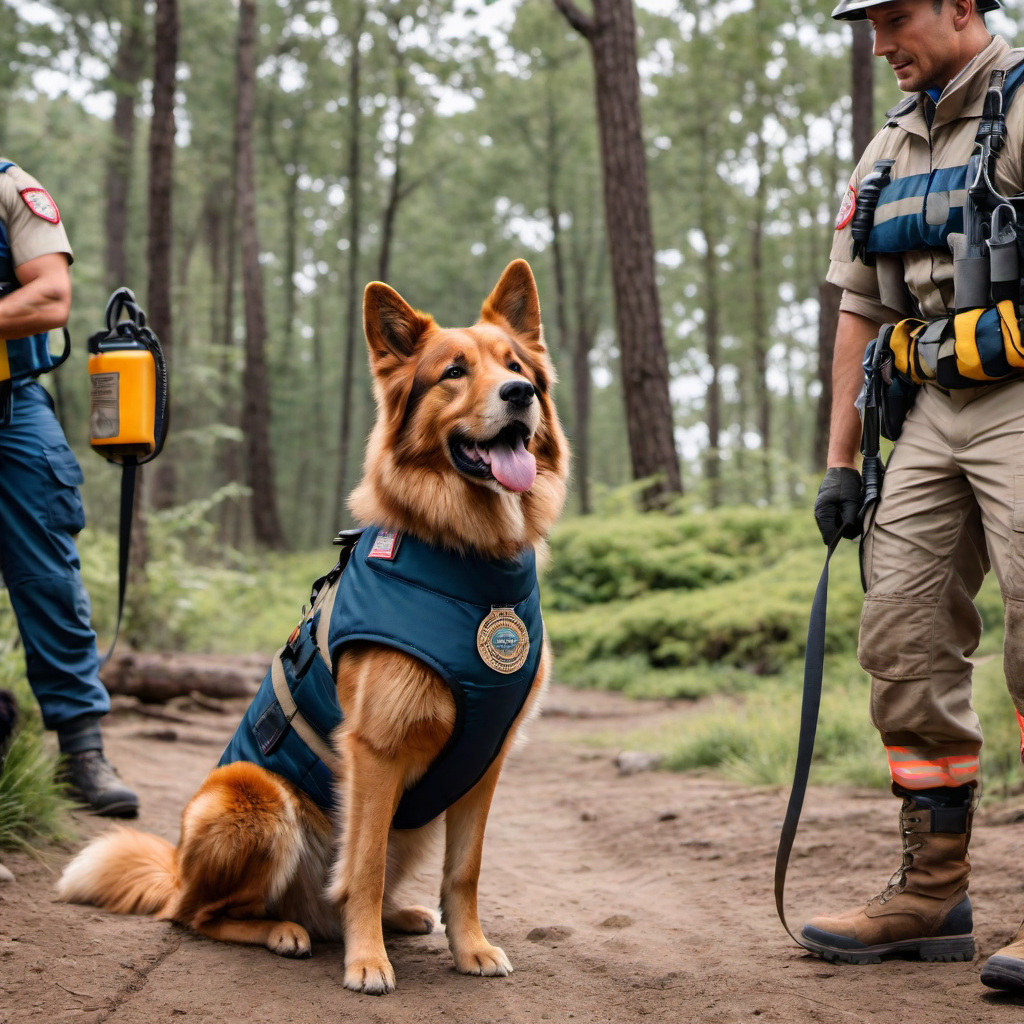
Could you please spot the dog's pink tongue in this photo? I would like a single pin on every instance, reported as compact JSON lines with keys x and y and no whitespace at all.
{"x":514,"y":468}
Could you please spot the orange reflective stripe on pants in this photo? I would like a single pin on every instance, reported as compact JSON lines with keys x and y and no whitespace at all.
{"x":911,"y":771}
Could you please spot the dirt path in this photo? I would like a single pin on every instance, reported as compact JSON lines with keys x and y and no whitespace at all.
{"x":618,"y":899}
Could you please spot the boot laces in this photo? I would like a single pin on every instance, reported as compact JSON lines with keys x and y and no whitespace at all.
{"x":898,"y":882}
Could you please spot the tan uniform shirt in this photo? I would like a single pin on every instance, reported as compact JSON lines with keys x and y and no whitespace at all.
{"x":28,"y":213}
{"x":888,"y":291}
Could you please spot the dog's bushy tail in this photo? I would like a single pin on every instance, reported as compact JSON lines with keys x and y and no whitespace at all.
{"x":123,"y":871}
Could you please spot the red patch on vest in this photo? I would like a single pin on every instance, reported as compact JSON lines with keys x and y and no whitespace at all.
{"x":385,"y":545}
{"x":847,"y":208}
{"x":39,"y":202}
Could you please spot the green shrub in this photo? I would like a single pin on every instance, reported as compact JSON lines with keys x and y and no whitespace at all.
{"x":248,"y":605}
{"x":757,"y":623}
{"x":753,"y":739}
{"x":33,"y":808}
{"x":595,"y":560}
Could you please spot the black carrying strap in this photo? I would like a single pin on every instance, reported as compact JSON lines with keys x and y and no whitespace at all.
{"x":814,"y":668}
{"x":129,"y":472}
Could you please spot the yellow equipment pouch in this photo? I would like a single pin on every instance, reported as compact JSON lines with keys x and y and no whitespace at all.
{"x":964,"y":350}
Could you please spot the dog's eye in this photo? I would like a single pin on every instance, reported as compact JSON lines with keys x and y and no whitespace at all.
{"x":453,"y":372}
{"x":515,"y":367}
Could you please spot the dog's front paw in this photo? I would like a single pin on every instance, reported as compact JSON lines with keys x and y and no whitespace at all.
{"x":487,"y":961}
{"x":288,"y":939}
{"x":411,"y":920}
{"x":373,"y":975}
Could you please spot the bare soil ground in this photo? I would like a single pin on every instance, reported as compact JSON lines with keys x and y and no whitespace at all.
{"x":619,"y":899}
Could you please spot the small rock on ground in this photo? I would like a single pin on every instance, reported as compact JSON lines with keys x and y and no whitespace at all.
{"x":629,"y":762}
{"x":617,"y":921}
{"x":548,"y":933}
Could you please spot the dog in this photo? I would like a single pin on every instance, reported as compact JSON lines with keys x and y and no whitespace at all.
{"x":467,"y":462}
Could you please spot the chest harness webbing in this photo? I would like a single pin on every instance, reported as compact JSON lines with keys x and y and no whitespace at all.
{"x":987,"y":259}
{"x":433,"y":604}
{"x":979,"y":342}
{"x":20,"y":358}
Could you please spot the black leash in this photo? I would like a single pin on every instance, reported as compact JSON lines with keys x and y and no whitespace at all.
{"x":872,"y":474}
{"x":129,"y":473}
{"x":814,"y":668}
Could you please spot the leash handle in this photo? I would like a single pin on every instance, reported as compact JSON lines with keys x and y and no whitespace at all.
{"x":814,"y":668}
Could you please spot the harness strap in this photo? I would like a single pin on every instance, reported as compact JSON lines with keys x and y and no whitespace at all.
{"x":325,"y":605}
{"x":308,"y":734}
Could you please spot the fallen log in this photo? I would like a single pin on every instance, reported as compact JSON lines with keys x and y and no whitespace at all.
{"x":157,"y":677}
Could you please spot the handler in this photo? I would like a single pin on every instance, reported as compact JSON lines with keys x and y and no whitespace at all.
{"x":953,"y":497}
{"x":40,"y":507}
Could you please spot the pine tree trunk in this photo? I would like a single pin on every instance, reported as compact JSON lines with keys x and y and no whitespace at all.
{"x":760,"y":324}
{"x":259,"y":473}
{"x":354,"y":296}
{"x":611,"y":33}
{"x":581,"y":406}
{"x":127,"y":71}
{"x":712,"y":347}
{"x":396,"y":188}
{"x":862,"y":87}
{"x":760,"y":316}
{"x":160,"y":245}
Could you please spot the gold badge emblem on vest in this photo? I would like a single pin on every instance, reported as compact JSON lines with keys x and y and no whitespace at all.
{"x":503,"y":641}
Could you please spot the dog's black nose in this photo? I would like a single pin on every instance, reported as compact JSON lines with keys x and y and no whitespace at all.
{"x":517,"y":392}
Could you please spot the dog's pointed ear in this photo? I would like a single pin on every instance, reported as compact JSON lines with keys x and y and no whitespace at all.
{"x":514,"y":301}
{"x":393,"y":328}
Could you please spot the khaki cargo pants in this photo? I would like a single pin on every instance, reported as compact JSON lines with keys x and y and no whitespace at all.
{"x":952,"y":505}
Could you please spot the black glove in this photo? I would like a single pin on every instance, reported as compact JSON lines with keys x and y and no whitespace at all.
{"x":837,"y":507}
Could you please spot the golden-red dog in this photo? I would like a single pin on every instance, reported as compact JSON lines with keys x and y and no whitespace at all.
{"x":258,"y":862}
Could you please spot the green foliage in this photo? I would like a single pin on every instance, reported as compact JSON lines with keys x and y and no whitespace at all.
{"x":244,"y":604}
{"x":715,"y":606}
{"x":33,"y":808}
{"x":756,"y":621}
{"x":596,"y":560}
{"x":754,"y":741}
{"x":1000,"y":756}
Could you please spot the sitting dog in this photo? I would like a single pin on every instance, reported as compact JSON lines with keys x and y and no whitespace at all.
{"x":398,"y":695}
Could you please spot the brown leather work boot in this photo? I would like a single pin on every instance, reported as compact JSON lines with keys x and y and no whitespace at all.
{"x":1005,"y":967}
{"x":924,"y":911}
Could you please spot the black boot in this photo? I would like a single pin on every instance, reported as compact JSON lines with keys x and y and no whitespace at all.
{"x":93,"y":779}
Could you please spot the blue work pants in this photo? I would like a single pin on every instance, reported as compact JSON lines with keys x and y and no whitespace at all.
{"x":40,"y":513}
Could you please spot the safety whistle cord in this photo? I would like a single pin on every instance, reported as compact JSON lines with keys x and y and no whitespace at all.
{"x":814,"y":669}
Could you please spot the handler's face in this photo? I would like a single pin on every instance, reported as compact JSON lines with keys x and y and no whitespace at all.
{"x":918,"y":42}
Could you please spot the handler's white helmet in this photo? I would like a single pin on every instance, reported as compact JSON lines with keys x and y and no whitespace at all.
{"x":854,"y":10}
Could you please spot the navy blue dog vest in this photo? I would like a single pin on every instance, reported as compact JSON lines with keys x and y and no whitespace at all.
{"x":474,"y":621}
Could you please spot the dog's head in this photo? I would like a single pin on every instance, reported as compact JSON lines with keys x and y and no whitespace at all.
{"x":467,"y":451}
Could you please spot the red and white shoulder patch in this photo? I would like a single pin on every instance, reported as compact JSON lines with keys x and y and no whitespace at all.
{"x":847,"y":208}
{"x":39,"y":202}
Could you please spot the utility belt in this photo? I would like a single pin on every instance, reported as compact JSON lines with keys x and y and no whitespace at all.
{"x":980,"y":342}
